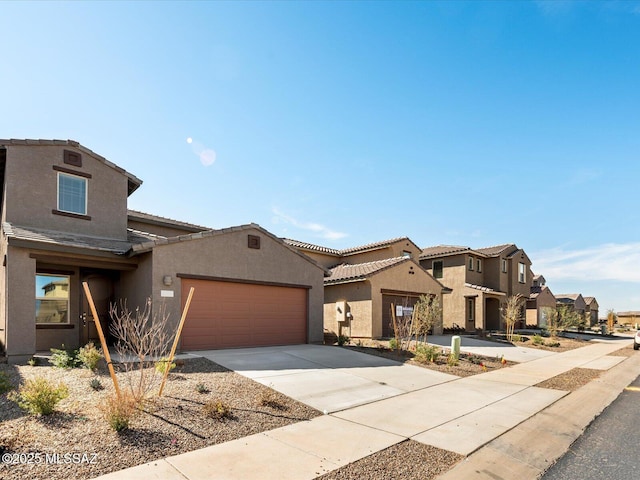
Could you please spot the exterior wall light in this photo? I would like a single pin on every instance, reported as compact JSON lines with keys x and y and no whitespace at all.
{"x":167,"y":280}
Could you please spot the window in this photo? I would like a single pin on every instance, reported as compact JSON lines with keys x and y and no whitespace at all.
{"x":406,"y":254}
{"x":521,"y":272}
{"x":437,"y":268}
{"x":72,"y":194}
{"x":471,"y":264}
{"x":471,"y":309}
{"x":479,"y":265}
{"x":504,"y":266}
{"x":52,"y":299}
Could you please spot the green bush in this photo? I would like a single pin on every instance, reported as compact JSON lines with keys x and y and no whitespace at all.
{"x":537,"y":340}
{"x":552,"y":344}
{"x":63,"y":358}
{"x":427,"y":353}
{"x":89,"y":356}
{"x":5,"y":385}
{"x":343,"y":340}
{"x":39,"y":396}
{"x":516,"y":338}
{"x":96,"y":384}
{"x":393,"y":344}
{"x":202,"y":388}
{"x":452,"y":360}
{"x":33,"y":361}
{"x":162,"y":364}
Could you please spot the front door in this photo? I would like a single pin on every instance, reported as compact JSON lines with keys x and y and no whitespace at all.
{"x":102,"y":292}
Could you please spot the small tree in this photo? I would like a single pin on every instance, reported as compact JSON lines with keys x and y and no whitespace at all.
{"x":551,"y":315}
{"x":511,"y":314}
{"x":141,"y":340}
{"x":611,"y":319}
{"x":402,"y":326}
{"x":427,"y":312}
{"x":569,"y":318}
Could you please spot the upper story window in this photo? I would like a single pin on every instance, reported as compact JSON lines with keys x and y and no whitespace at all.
{"x":479,"y":265}
{"x":504,"y":265}
{"x":437,"y":268}
{"x":72,"y":194}
{"x":471,"y":264}
{"x":522,"y":275}
{"x":52,"y":299}
{"x":406,"y":254}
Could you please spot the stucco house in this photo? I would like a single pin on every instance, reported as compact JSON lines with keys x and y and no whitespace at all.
{"x":540,"y":299}
{"x":591,"y":311}
{"x":365,"y":281}
{"x":65,"y":221}
{"x":631,"y":318}
{"x":481,"y":280}
{"x":575,"y":301}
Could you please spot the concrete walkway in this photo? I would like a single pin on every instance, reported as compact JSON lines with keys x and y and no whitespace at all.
{"x":458,"y":414}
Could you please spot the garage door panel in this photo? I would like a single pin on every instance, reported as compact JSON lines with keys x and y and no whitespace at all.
{"x":229,"y":314}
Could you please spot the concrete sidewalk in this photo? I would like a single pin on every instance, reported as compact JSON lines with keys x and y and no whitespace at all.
{"x":458,"y":414}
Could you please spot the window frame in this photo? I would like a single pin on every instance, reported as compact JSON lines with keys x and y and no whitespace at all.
{"x":86,"y":193}
{"x":40,"y":298}
{"x":504,"y":265}
{"x":471,"y":309}
{"x":470,"y":264}
{"x":522,"y":272}
{"x":479,"y":265}
{"x":433,"y":268}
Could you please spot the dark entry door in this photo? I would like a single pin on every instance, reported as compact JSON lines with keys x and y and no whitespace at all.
{"x":101,"y":286}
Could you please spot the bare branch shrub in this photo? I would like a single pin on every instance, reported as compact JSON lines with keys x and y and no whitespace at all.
{"x":512,"y":313}
{"x":141,"y":340}
{"x":427,"y":312}
{"x":402,"y":327}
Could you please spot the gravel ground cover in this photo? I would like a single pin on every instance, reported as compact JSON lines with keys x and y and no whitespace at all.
{"x":571,"y":380}
{"x":168,"y":426}
{"x":407,"y":460}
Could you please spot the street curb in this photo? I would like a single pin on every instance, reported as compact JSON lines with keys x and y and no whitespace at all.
{"x":528,"y":450}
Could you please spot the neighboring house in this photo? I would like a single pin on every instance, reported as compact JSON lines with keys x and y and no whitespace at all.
{"x":540,"y":299}
{"x":591,"y":310}
{"x":365,"y":281}
{"x":629,"y":318}
{"x":65,"y":221}
{"x":574,"y":301}
{"x":481,"y":280}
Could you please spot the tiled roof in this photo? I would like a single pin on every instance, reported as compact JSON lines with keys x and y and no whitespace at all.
{"x":568,"y":296}
{"x":349,"y":273}
{"x":484,"y":289}
{"x":443,"y":251}
{"x":134,"y":182}
{"x":631,"y":313}
{"x":310,"y":246}
{"x":371,"y":246}
{"x":496,"y":249}
{"x":67,"y":239}
{"x":156,"y":219}
{"x":589,"y":300}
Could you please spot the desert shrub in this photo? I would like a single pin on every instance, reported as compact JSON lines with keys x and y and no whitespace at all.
{"x":269,"y":398}
{"x":426,"y":353}
{"x":217,"y":410}
{"x":5,"y":384}
{"x":516,"y":338}
{"x":96,"y":384}
{"x":33,"y":361}
{"x":89,"y":356}
{"x":202,"y":388}
{"x":39,"y":396}
{"x":64,"y":358}
{"x":343,"y":340}
{"x":475,"y":359}
{"x":162,"y":364}
{"x":537,"y":340}
{"x":452,"y":360}
{"x":393,"y":344}
{"x":119,"y":410}
{"x":552,"y":344}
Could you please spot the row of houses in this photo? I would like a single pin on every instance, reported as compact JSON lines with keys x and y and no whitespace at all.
{"x":65,"y":221}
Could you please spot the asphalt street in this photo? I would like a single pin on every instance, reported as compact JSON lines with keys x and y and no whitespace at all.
{"x":608,"y":450}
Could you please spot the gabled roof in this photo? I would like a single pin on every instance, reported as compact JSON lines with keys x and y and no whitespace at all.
{"x":631,"y":313}
{"x":443,"y":251}
{"x":345,"y":272}
{"x":311,"y":246}
{"x":134,"y":182}
{"x":590,"y":300}
{"x":142,"y":217}
{"x":347,"y":251}
{"x":496,"y":250}
{"x":157,"y":240}
{"x":568,"y":296}
{"x":31,"y":236}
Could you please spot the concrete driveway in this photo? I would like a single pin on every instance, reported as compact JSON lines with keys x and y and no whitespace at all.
{"x":329,"y":379}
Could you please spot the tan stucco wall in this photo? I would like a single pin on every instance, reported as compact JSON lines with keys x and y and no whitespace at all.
{"x":357,"y":296}
{"x":162,"y":230}
{"x":135,"y":286}
{"x":392,"y":251}
{"x":454,"y":274}
{"x":327,"y":261}
{"x":31,"y":192}
{"x":226,"y":255}
{"x":515,"y":286}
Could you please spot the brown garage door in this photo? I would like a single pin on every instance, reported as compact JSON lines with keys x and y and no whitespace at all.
{"x":229,"y":314}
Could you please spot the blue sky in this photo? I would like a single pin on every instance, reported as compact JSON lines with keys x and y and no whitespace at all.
{"x":342,"y":123}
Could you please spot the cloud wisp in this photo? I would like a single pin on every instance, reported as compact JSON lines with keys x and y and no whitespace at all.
{"x":611,"y":261}
{"x":206,"y":155}
{"x":316,"y":228}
